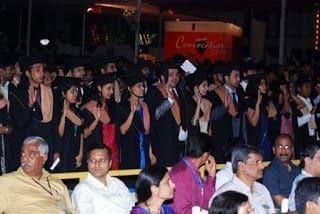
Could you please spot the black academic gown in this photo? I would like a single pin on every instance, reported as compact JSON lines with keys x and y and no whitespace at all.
{"x":27,"y":122}
{"x":164,"y":131}
{"x":129,"y":143}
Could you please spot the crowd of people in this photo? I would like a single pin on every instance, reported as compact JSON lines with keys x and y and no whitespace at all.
{"x":108,"y":113}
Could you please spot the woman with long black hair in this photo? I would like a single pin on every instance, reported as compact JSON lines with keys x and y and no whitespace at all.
{"x":99,"y":126}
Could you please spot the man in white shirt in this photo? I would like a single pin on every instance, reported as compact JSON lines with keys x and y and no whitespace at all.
{"x":225,"y":175}
{"x":310,"y":164}
{"x":248,"y":167}
{"x":100,"y":193}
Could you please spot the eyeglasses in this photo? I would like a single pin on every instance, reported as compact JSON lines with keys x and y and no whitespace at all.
{"x":99,"y":161}
{"x":286,"y":147}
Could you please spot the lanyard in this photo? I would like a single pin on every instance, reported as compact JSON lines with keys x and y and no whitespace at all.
{"x":195,"y":175}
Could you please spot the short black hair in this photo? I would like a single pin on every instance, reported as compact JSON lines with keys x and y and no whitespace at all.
{"x":283,"y":135}
{"x":100,"y":146}
{"x":307,"y":189}
{"x":151,"y":175}
{"x":197,"y":145}
{"x":309,"y":152}
{"x":227,"y":202}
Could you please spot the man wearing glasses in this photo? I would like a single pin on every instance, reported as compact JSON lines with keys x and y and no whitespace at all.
{"x":281,"y":172}
{"x":100,"y":193}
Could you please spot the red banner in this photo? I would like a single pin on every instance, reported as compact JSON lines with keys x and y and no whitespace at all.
{"x":200,"y":45}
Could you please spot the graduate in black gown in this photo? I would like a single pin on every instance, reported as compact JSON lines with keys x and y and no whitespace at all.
{"x":133,"y":123}
{"x":69,"y":127}
{"x":99,"y":126}
{"x":31,"y":108}
{"x":168,"y":116}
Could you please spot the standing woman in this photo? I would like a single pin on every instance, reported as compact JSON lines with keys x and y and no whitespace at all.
{"x":133,"y":122}
{"x":69,"y":127}
{"x":153,"y":188}
{"x":198,"y":107}
{"x":262,"y":124}
{"x":99,"y":126}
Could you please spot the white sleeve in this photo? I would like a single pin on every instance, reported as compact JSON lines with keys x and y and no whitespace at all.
{"x":303,"y":119}
{"x":128,"y":198}
{"x":82,"y":200}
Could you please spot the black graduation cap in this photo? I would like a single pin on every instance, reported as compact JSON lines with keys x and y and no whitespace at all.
{"x":133,"y":77}
{"x":103,"y":61}
{"x":7,"y":60}
{"x":65,"y":83}
{"x":303,"y":78}
{"x":196,"y":78}
{"x":77,"y":62}
{"x":28,"y":61}
{"x":105,"y":79}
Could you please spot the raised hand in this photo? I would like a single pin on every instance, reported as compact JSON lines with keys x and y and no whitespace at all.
{"x":227,"y":100}
{"x":97,"y":113}
{"x":134,"y":106}
{"x":198,"y":95}
{"x":211,"y":166}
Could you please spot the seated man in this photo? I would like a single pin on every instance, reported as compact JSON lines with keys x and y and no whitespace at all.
{"x":307,"y":196}
{"x":226,"y":174}
{"x":31,"y":189}
{"x":100,"y":193}
{"x":190,"y":188}
{"x":278,"y":177}
{"x":310,"y":164}
{"x":248,"y":167}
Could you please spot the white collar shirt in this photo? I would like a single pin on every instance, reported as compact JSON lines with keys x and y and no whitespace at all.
{"x":91,"y":196}
{"x":292,"y":203}
{"x":260,"y":199}
{"x":224,"y":175}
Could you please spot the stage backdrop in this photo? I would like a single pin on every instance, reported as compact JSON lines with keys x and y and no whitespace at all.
{"x":202,"y":39}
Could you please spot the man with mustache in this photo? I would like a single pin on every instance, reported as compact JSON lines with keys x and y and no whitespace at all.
{"x":31,"y":189}
{"x":278,"y":177}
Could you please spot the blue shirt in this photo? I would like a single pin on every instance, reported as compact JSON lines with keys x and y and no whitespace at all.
{"x":278,"y":180}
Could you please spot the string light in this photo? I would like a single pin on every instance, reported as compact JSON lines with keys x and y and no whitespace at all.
{"x":316,"y":39}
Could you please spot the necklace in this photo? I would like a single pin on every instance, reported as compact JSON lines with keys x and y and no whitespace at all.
{"x":43,"y":187}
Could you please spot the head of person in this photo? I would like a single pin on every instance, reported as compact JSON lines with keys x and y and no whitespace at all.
{"x":232,"y":75}
{"x":171,"y":74}
{"x":111,"y":67}
{"x":230,"y":202}
{"x":307,"y":196}
{"x":69,"y":89}
{"x":304,"y":85}
{"x":99,"y":161}
{"x":198,"y":82}
{"x":283,"y":148}
{"x":34,"y":154}
{"x":106,"y":86}
{"x":77,"y":68}
{"x":247,"y":162}
{"x":154,"y":182}
{"x":256,"y":83}
{"x":310,"y":159}
{"x":136,"y":83}
{"x":199,"y":147}
{"x":7,"y":69}
{"x":33,"y":66}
